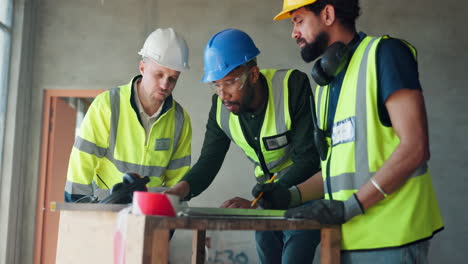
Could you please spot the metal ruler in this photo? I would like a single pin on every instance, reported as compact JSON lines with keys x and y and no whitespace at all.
{"x":234,"y":212}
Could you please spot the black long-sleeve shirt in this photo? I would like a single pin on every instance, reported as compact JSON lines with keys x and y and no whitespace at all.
{"x":216,"y":143}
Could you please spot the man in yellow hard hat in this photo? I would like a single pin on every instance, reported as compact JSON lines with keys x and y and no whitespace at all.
{"x":135,"y":128}
{"x":371,"y":133}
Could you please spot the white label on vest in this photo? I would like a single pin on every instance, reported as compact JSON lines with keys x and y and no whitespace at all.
{"x":162,"y":144}
{"x":344,"y":131}
{"x":276,"y":142}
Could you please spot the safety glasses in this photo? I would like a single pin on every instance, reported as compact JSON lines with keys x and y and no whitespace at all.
{"x":231,"y":85}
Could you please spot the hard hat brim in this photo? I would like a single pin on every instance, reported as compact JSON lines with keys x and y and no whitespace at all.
{"x":217,"y":75}
{"x":285,"y":13}
{"x":179,"y":69}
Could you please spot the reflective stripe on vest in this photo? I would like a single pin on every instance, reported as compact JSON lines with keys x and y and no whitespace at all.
{"x":278,"y":105}
{"x":85,"y":189}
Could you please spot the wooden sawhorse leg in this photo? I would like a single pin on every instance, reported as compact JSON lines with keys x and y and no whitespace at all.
{"x":330,"y":245}
{"x":198,"y":246}
{"x":144,"y":243}
{"x":156,"y":247}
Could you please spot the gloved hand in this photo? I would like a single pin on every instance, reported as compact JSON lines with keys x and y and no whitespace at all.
{"x":276,"y":195}
{"x":122,"y":193}
{"x":328,"y":212}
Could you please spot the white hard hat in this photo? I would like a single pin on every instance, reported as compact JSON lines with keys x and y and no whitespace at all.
{"x":167,"y":48}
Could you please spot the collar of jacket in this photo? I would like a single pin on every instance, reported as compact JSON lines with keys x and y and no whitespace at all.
{"x":167,"y":103}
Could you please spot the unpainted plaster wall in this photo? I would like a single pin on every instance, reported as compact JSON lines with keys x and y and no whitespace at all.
{"x":93,"y":44}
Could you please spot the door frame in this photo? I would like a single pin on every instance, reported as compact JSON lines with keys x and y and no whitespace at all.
{"x":44,"y":156}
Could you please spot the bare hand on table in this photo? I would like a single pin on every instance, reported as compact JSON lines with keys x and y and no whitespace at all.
{"x":237,"y":202}
{"x":181,"y":189}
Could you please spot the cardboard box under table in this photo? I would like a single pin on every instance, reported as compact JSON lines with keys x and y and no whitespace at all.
{"x":86,"y":232}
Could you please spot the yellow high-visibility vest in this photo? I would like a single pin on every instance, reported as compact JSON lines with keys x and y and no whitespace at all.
{"x":359,"y":146}
{"x":274,"y":141}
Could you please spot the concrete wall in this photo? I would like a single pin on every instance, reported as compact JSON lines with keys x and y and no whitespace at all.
{"x":93,"y":44}
{"x":17,"y":184}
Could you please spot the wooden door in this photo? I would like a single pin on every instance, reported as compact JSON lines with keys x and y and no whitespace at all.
{"x":59,"y":122}
{"x":61,"y":138}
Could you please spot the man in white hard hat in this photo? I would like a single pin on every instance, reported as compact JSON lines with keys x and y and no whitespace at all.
{"x":135,"y":128}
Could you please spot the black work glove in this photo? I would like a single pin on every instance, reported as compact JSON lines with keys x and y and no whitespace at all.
{"x":122,"y":192}
{"x":276,"y":195}
{"x":328,"y":212}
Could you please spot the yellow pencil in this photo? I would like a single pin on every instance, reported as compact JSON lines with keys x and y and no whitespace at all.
{"x":254,"y":202}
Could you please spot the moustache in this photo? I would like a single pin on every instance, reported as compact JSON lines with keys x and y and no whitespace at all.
{"x":301,"y":40}
{"x":230,"y":103}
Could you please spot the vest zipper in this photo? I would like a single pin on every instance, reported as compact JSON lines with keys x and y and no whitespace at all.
{"x":151,"y":129}
{"x":328,"y":178}
{"x":265,"y":169}
{"x":325,"y":125}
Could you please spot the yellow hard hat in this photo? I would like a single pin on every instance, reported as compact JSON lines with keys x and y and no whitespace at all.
{"x":290,"y":5}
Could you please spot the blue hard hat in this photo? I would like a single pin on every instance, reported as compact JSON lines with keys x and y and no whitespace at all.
{"x":225,"y":51}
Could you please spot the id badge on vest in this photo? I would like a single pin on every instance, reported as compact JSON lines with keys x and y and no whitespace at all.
{"x":344,"y":131}
{"x":162,"y":144}
{"x":277,"y":141}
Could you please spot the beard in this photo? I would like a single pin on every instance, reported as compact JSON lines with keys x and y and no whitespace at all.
{"x":312,"y":51}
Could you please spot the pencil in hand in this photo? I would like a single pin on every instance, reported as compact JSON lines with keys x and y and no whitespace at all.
{"x":254,"y":202}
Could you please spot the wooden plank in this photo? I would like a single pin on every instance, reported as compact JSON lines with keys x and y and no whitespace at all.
{"x":86,"y":237}
{"x":330,"y":245}
{"x":137,"y":240}
{"x":198,"y":246}
{"x":229,"y":223}
{"x":86,"y":207}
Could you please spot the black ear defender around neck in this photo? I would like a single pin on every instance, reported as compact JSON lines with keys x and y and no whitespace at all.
{"x":333,"y":61}
{"x":320,"y":139}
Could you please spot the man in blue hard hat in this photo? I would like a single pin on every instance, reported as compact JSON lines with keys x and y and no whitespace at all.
{"x":266,"y":113}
